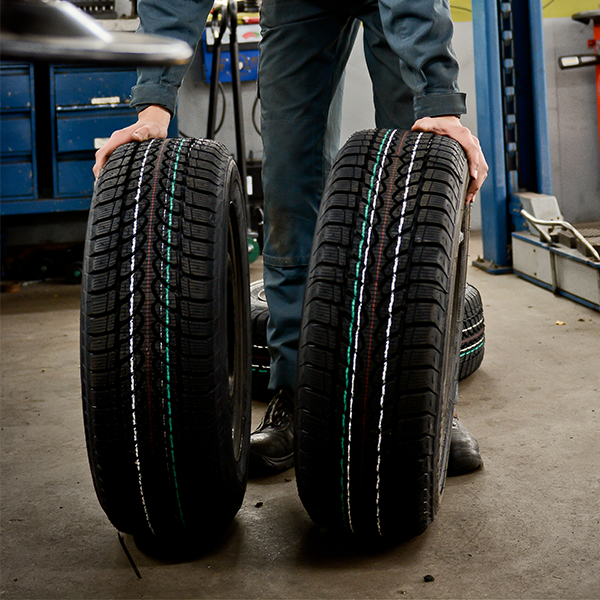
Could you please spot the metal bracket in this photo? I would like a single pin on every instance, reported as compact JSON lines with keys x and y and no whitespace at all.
{"x":562,"y":224}
{"x":586,"y":16}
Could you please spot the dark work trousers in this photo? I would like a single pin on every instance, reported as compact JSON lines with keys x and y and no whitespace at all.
{"x":304,"y":51}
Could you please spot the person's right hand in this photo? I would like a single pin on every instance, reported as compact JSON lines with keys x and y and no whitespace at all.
{"x":450,"y":126}
{"x":153,"y":123}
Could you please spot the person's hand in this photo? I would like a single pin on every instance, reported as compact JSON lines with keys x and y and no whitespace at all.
{"x":451,"y":127}
{"x":152,"y":123}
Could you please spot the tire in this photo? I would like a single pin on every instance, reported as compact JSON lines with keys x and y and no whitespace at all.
{"x":165,"y":340}
{"x":73,"y":273}
{"x":379,"y":347}
{"x":261,"y":359}
{"x":471,"y":350}
{"x":472,"y":346}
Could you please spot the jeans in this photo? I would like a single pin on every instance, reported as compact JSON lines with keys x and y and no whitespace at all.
{"x":304,"y":50}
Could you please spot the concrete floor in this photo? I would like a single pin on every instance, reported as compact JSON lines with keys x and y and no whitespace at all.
{"x":526,"y":526}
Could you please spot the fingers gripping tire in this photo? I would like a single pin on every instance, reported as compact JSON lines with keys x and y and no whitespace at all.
{"x":379,"y":347}
{"x":165,"y":340}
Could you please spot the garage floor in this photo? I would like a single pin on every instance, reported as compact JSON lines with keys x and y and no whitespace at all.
{"x":526,"y":526}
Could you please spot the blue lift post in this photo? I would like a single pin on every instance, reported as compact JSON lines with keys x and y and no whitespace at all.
{"x":512,"y":117}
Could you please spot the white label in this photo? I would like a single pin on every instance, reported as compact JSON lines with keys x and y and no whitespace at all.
{"x":99,"y":142}
{"x":249,"y":185}
{"x":569,"y":61}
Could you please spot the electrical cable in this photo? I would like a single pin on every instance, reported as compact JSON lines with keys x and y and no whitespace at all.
{"x":129,"y":557}
{"x":254,"y":120}
{"x":454,"y":7}
{"x":468,"y":10}
{"x":220,"y":124}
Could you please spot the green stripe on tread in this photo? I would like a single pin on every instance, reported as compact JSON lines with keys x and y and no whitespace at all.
{"x":352,"y":322}
{"x":467,"y":352}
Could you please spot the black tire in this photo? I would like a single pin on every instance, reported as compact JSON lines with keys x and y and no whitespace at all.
{"x":165,"y":340}
{"x":73,"y":273}
{"x":379,"y":347}
{"x":472,"y":346}
{"x":261,"y":359}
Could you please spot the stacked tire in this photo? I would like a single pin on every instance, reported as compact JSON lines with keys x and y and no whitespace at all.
{"x":472,"y":346}
{"x":261,"y":359}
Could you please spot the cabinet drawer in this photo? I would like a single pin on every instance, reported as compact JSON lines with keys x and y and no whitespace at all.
{"x":74,"y":178}
{"x":15,"y":134}
{"x":15,"y":86}
{"x":76,"y":133}
{"x":16,"y":180}
{"x":73,"y":87}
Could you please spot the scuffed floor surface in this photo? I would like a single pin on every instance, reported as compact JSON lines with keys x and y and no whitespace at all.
{"x":526,"y":526}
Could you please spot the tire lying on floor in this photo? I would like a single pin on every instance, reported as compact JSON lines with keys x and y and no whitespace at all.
{"x":165,"y":340}
{"x":261,"y":359}
{"x":472,"y":346}
{"x":379,"y":347}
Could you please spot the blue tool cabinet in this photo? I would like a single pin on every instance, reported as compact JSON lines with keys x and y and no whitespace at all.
{"x":18,"y":172}
{"x":86,"y":106}
{"x":83,"y":106}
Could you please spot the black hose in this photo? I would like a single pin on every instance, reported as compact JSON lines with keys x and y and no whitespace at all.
{"x":254,"y":120}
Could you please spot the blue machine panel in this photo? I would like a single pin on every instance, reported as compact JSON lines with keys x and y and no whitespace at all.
{"x":248,"y":38}
{"x":248,"y":66}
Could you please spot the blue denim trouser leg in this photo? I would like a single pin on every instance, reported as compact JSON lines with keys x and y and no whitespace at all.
{"x":304,"y":51}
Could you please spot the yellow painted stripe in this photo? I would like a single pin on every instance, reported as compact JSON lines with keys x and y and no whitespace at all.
{"x":567,"y":8}
{"x":553,"y":9}
{"x":461,"y":10}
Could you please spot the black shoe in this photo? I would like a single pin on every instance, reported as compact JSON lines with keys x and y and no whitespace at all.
{"x":464,"y":450}
{"x":272,"y":443}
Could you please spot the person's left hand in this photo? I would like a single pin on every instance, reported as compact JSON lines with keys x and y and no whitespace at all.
{"x":451,"y":126}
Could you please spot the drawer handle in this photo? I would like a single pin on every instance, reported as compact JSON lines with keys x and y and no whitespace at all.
{"x":107,"y":100}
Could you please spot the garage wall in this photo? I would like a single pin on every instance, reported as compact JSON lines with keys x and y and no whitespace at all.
{"x":572,"y":112}
{"x":571,"y":97}
{"x":573,"y":122}
{"x":358,"y":111}
{"x":358,"y":98}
